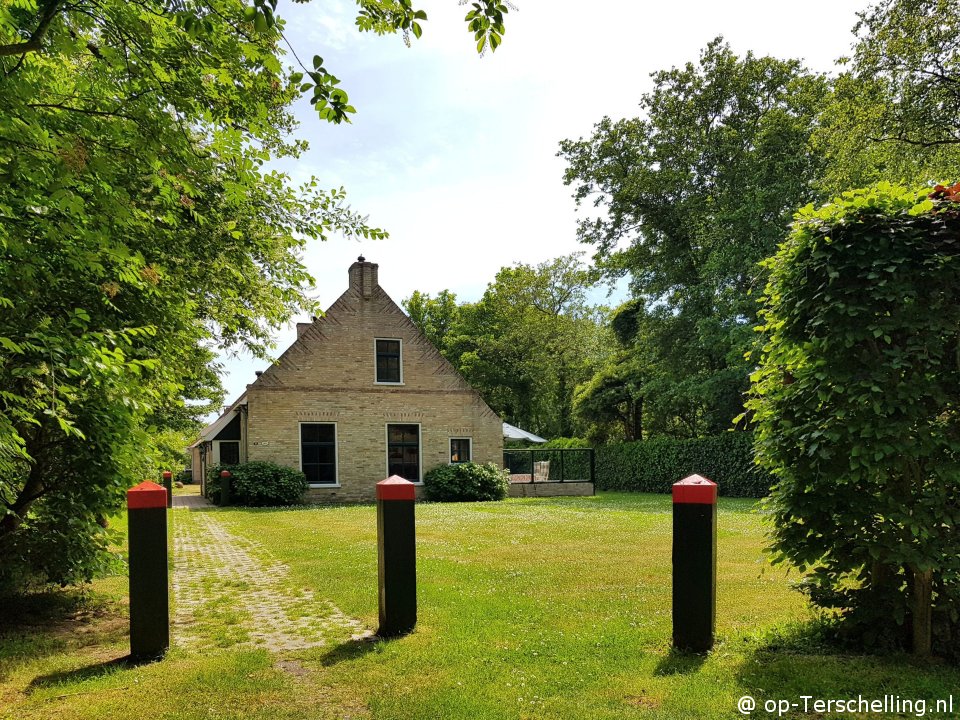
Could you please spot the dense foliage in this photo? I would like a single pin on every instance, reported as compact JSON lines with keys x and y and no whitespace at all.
{"x":655,"y":465}
{"x":140,"y":229}
{"x":258,"y":484}
{"x":894,"y":113}
{"x":466,"y":482}
{"x":856,"y":407}
{"x":694,"y":194}
{"x":526,"y":344}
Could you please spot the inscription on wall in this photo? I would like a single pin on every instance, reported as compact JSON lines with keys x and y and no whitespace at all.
{"x":406,"y":415}
{"x":464,"y":431}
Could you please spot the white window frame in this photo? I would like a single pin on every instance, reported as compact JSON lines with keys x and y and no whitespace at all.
{"x":380,"y":382}
{"x":450,"y":449}
{"x":336,"y":451}
{"x":386,"y":449}
{"x":216,"y":450}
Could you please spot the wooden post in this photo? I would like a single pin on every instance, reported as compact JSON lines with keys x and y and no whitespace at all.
{"x":149,"y":588}
{"x":694,"y":563}
{"x":226,"y":494}
{"x":396,"y":556}
{"x":168,"y":484}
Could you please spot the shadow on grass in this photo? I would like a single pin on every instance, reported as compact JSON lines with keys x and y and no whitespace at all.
{"x":90,"y":672}
{"x":803,"y":659}
{"x":40,"y":625}
{"x":354,"y":649}
{"x":677,"y":662}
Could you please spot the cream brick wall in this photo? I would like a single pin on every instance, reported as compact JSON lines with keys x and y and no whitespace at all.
{"x":328,"y":375}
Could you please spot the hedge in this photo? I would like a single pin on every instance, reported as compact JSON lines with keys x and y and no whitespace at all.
{"x":466,"y":482}
{"x":258,"y":484}
{"x":654,"y":465}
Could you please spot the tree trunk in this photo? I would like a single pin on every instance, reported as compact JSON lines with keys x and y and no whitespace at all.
{"x":637,"y":419}
{"x":922,"y":612}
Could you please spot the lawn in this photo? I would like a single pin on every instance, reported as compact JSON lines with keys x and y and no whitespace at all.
{"x":532,"y":608}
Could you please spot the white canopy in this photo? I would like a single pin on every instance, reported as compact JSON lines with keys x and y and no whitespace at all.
{"x":514,"y":433}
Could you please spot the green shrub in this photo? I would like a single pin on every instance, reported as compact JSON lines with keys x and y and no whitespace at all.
{"x":258,"y":484}
{"x":654,"y":465}
{"x":465,"y":482}
{"x":211,"y":488}
{"x":564,"y":443}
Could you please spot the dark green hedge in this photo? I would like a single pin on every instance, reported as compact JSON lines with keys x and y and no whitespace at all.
{"x":466,"y":482}
{"x":654,"y":465}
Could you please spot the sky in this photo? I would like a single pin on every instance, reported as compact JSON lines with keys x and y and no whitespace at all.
{"x":455,"y":154}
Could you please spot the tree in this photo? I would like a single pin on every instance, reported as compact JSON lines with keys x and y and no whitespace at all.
{"x":692,"y":196}
{"x":856,"y":408}
{"x":894,"y":114}
{"x":140,"y":228}
{"x":436,"y":317}
{"x":526,"y":344}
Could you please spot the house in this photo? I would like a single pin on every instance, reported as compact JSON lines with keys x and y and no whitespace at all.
{"x":360,"y":395}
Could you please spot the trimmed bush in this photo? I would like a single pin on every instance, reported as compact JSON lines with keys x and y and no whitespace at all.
{"x":654,"y":465}
{"x":564,"y":443}
{"x":258,"y":484}
{"x":466,"y":482}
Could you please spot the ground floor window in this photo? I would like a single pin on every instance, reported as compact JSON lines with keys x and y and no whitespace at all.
{"x":318,"y":452}
{"x":460,"y":450}
{"x":403,"y":451}
{"x":229,"y":452}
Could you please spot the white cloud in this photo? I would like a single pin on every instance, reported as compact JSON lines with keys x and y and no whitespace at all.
{"x":455,"y":155}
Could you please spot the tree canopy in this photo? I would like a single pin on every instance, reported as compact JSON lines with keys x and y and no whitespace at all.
{"x":141,"y":228}
{"x":526,"y":344}
{"x":693,"y":195}
{"x":894,"y":111}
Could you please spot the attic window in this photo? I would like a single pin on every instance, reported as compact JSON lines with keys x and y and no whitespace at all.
{"x":389,"y":361}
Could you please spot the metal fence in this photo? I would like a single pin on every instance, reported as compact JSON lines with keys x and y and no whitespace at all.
{"x":556,"y":465}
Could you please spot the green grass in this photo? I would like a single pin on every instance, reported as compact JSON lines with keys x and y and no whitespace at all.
{"x":532,"y":608}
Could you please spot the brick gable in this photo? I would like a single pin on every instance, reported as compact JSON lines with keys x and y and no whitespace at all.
{"x":328,"y":375}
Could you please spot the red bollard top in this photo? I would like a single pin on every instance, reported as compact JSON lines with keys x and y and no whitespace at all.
{"x":395,"y":488}
{"x":146,"y":495}
{"x":167,"y":474}
{"x":225,"y":473}
{"x":695,"y":489}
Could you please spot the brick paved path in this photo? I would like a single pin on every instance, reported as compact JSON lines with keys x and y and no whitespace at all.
{"x":227,"y":590}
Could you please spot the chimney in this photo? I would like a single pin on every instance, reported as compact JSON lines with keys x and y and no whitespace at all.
{"x":363,"y":277}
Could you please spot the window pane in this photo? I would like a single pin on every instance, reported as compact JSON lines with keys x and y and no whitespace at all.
{"x":403,"y":451}
{"x":388,"y":347}
{"x":388,"y":361}
{"x":459,"y":450}
{"x":229,"y":453}
{"x":403,"y":434}
{"x":318,"y":453}
{"x":317,"y":432}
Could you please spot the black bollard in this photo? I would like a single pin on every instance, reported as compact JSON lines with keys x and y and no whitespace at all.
{"x":168,"y":484}
{"x":225,"y":489}
{"x":396,"y":556}
{"x":694,"y":563}
{"x":149,"y":593}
